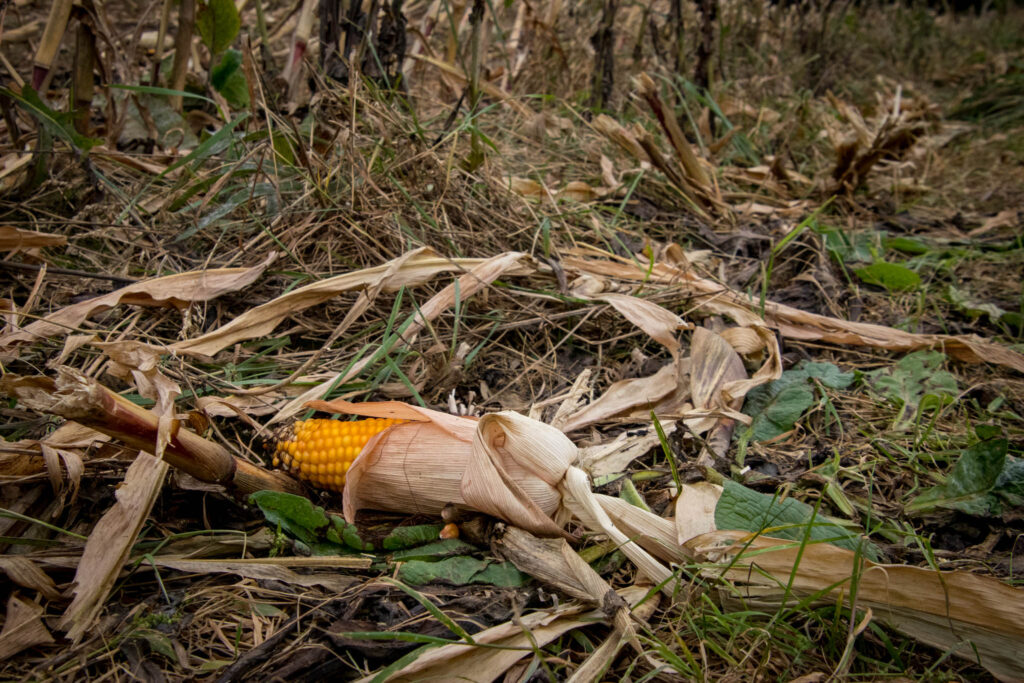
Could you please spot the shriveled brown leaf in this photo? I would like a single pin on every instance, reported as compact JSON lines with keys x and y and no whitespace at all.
{"x":796,"y":324}
{"x":110,"y":542}
{"x":415,"y":268}
{"x":27,"y":574}
{"x":23,"y":627}
{"x":173,"y":290}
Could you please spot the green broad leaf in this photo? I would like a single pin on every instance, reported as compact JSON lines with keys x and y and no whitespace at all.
{"x":777,"y":409}
{"x":976,"y":473}
{"x":910,"y":380}
{"x":343,"y":533}
{"x":502,"y":574}
{"x":744,"y":509}
{"x":296,"y":515}
{"x":974,"y":308}
{"x":327,"y":549}
{"x":59,"y":124}
{"x":432,"y":552}
{"x":827,"y":374}
{"x":908,"y":245}
{"x":776,"y":406}
{"x":218,"y":23}
{"x":857,"y":247}
{"x":267,"y":610}
{"x":462,"y":571}
{"x":892,"y":276}
{"x":229,"y":79}
{"x":1009,"y":488}
{"x":159,"y":643}
{"x":410,"y":536}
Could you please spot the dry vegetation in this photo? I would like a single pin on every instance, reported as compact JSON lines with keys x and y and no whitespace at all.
{"x":829,"y":183}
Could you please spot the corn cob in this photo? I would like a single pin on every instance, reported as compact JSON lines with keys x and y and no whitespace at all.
{"x":321,"y":451}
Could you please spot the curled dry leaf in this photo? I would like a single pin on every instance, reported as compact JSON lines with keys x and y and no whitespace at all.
{"x":27,"y":574}
{"x":624,"y":396}
{"x":509,"y":643}
{"x":132,"y":360}
{"x":695,"y":509}
{"x":714,"y":364}
{"x":414,"y":268}
{"x":173,"y":290}
{"x":792,"y":322}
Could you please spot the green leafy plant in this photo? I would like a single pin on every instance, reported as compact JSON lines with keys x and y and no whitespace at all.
{"x":982,"y":482}
{"x":914,"y":382}
{"x":893,"y":276}
{"x":748,"y":510}
{"x":777,"y":406}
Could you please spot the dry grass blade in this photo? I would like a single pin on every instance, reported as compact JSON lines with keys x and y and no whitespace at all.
{"x":173,"y":290}
{"x":12,"y":238}
{"x":694,"y":172}
{"x":110,"y":542}
{"x":970,"y":615}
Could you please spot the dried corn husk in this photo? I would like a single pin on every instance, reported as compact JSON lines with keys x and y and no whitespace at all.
{"x":505,"y":464}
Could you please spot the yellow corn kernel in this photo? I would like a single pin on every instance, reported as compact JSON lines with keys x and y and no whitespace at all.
{"x":321,"y":451}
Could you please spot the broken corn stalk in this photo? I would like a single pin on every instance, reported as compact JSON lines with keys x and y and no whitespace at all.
{"x":321,"y":451}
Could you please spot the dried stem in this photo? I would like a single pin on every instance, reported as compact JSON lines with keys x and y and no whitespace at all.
{"x":182,"y":48}
{"x":82,"y":399}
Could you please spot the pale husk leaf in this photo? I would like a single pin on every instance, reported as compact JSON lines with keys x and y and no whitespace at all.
{"x":111,"y":541}
{"x":695,"y":509}
{"x":659,"y":323}
{"x":465,"y":662}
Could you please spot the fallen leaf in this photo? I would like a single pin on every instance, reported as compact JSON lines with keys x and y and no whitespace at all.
{"x":173,"y":290}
